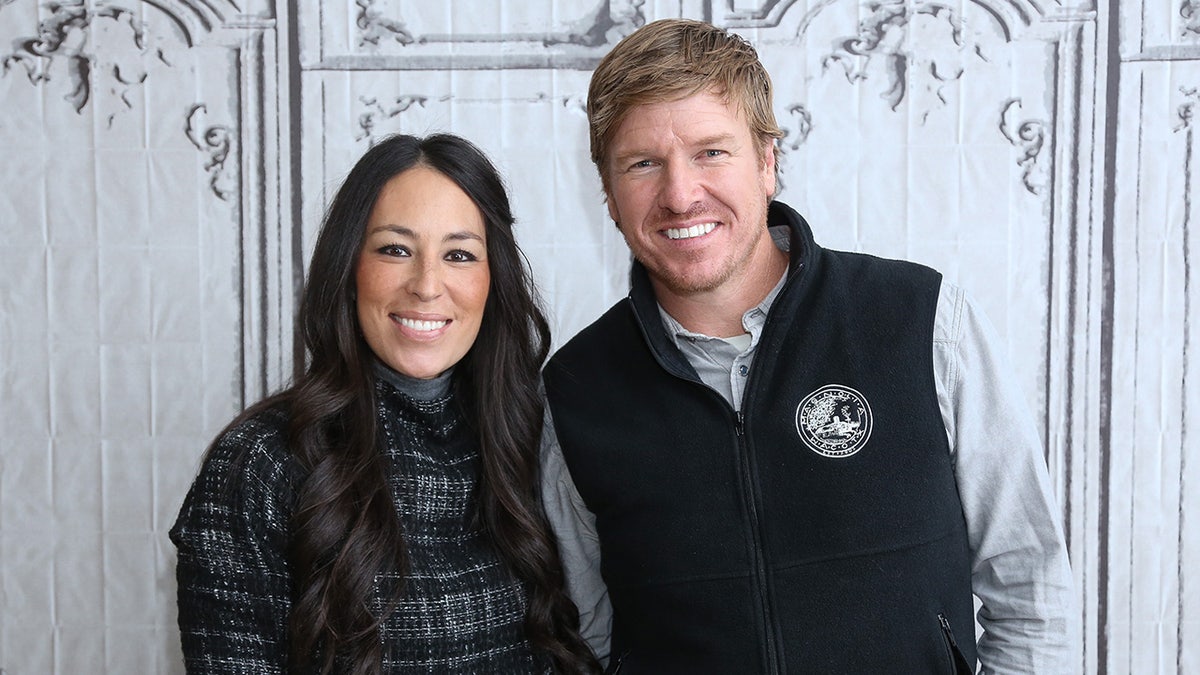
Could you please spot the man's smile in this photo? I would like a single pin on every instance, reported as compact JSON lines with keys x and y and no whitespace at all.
{"x":690,"y":232}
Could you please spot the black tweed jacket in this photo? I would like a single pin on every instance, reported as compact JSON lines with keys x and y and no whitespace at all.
{"x":461,"y":611}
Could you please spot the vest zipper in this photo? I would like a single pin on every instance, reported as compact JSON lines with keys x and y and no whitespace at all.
{"x":750,"y":486}
{"x":957,"y":661}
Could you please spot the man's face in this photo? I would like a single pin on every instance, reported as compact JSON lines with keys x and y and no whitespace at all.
{"x":688,"y":185}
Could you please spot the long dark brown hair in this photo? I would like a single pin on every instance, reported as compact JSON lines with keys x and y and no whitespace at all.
{"x":345,"y":529}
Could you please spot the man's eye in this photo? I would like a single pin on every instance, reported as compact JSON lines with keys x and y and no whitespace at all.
{"x":461,"y":256}
{"x":714,"y":153}
{"x":645,"y":163}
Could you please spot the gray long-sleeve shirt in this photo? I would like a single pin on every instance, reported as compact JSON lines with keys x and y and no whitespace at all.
{"x":1020,"y":572}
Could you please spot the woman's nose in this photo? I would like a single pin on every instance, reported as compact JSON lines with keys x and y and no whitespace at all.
{"x":425,"y":282}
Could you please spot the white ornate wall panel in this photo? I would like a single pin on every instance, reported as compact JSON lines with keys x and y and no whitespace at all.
{"x":1150,"y":470}
{"x":164,"y":167}
{"x":140,"y":302}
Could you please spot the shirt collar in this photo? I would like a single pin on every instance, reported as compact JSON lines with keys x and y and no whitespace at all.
{"x":752,"y":320}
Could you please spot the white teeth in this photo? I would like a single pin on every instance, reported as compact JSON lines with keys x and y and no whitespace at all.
{"x":422,"y":325}
{"x":689,"y":232}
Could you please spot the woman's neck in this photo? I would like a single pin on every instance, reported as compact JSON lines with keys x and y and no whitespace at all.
{"x":419,"y":389}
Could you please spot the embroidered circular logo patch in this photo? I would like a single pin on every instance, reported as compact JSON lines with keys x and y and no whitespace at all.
{"x":834,"y":421}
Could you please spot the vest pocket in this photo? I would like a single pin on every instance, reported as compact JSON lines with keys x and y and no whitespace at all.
{"x":955,"y":659}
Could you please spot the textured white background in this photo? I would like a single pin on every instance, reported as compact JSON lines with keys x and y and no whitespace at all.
{"x":164,"y":165}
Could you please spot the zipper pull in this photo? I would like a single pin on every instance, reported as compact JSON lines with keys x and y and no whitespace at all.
{"x":740,"y":424}
{"x":947,"y":630}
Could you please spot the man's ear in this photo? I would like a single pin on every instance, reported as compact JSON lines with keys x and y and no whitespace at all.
{"x":768,"y":168}
{"x":612,"y":209}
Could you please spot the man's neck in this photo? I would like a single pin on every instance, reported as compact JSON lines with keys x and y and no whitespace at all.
{"x":719,"y":312}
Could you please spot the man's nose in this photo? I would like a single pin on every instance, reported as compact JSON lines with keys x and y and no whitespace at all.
{"x":680,"y":187}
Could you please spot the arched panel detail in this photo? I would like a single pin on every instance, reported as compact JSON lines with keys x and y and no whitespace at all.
{"x":196,"y":17}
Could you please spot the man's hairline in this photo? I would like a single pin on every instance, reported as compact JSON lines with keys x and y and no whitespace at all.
{"x":722,"y":93}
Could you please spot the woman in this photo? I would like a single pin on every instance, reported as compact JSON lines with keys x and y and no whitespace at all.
{"x":380,"y":515}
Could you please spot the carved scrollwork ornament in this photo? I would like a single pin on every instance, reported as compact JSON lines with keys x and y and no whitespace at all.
{"x":368,"y":119}
{"x":216,"y":141}
{"x":804,"y":125}
{"x":1189,"y":11}
{"x":373,"y":26}
{"x":1029,"y":136}
{"x":576,"y":103}
{"x":610,"y":22}
{"x":66,"y":36}
{"x":1187,"y":110}
{"x":605,"y":25}
{"x":883,"y":37}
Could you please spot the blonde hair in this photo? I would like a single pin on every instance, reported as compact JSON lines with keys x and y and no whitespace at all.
{"x":672,"y":59}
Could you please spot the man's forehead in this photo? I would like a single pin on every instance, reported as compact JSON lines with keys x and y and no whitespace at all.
{"x":692,"y":118}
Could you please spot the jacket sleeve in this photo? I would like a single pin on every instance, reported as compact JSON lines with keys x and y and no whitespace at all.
{"x":1020,"y":571}
{"x":231,"y":537}
{"x":578,"y":544}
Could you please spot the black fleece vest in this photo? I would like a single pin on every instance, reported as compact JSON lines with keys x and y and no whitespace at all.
{"x":821,"y":532}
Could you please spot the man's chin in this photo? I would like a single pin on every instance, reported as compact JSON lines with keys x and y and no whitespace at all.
{"x":689,"y":283}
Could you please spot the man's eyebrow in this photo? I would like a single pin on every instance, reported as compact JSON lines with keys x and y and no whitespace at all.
{"x":623,"y":157}
{"x":716,"y":139}
{"x":707,"y":141}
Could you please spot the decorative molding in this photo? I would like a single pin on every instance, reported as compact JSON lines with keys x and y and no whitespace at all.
{"x":771,"y":12}
{"x":367,"y":120}
{"x":373,"y":26}
{"x":1189,"y":11}
{"x":607,"y":25}
{"x":577,"y":47}
{"x":216,"y":141}
{"x":1030,"y":137}
{"x":610,"y":21}
{"x":268,"y":270}
{"x":1010,"y":15}
{"x":804,"y":125}
{"x":883,"y":35}
{"x":1186,"y":392}
{"x":194,"y":18}
{"x":67,"y":35}
{"x":576,"y":103}
{"x":377,"y":112}
{"x":1186,"y":111}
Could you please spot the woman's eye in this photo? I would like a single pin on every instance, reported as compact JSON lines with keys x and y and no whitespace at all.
{"x":394,"y":250}
{"x":460,"y":256}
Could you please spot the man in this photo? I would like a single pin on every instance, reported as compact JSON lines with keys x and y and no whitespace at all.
{"x":771,"y":457}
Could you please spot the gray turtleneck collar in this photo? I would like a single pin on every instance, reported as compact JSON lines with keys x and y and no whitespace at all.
{"x":416,"y":388}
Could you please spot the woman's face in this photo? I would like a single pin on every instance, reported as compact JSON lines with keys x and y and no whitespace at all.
{"x":422,"y":277}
